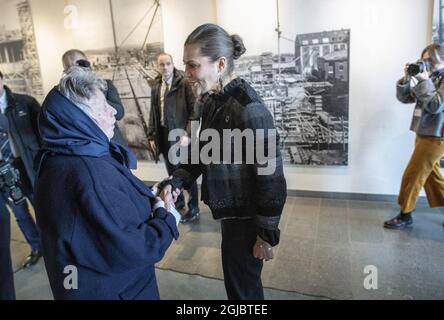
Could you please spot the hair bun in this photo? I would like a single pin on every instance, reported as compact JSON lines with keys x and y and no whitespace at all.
{"x":239,"y":48}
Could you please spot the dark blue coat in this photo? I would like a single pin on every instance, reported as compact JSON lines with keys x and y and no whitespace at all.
{"x":95,"y":215}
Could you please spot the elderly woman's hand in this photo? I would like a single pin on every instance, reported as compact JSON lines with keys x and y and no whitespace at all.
{"x":185,"y":141}
{"x":167,"y":200}
{"x":169,"y":196}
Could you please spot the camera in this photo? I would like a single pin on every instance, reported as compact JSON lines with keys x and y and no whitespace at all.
{"x":414,"y":69}
{"x":9,"y":177}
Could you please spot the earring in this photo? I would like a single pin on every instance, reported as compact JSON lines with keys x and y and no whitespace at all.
{"x":221,"y":85}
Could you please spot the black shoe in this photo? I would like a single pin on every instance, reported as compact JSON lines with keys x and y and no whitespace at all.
{"x":398,"y":222}
{"x":32,"y":259}
{"x":191,"y":215}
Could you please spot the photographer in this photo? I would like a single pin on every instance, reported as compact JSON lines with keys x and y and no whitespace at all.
{"x":7,"y":291}
{"x":20,"y":112}
{"x":9,"y":193}
{"x":423,"y":84}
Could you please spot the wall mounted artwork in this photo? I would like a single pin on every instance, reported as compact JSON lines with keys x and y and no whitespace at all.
{"x":307,"y":92}
{"x":19,"y":60}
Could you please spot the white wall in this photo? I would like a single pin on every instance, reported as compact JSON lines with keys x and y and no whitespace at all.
{"x":385,"y":34}
{"x":51,"y":37}
{"x":180,"y":18}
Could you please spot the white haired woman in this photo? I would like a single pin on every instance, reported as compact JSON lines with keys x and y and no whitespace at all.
{"x":102,"y":228}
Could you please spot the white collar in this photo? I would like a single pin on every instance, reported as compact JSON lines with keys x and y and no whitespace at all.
{"x":169,"y":81}
{"x":3,"y":101}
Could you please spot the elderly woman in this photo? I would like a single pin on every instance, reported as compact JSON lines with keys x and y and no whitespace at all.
{"x":101,"y":235}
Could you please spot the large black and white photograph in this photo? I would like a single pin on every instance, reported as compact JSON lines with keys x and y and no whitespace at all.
{"x":307,"y":92}
{"x":438,"y":22}
{"x":121,"y":39}
{"x":122,"y":43}
{"x":19,"y":61}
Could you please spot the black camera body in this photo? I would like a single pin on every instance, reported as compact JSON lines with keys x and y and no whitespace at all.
{"x":9,"y":175}
{"x":9,"y":178}
{"x":414,"y":69}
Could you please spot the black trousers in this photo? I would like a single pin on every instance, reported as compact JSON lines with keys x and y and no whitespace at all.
{"x":193,"y":201}
{"x":7,"y":291}
{"x":242,"y":271}
{"x":23,"y":216}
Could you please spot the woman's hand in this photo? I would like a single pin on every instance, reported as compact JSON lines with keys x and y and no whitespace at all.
{"x":168,"y":195}
{"x":167,"y":200}
{"x":153,"y":145}
{"x":184,"y":141}
{"x":423,"y":75}
{"x":262,"y":250}
{"x":406,"y":74}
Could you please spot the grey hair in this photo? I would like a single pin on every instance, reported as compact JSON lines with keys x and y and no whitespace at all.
{"x":79,"y":84}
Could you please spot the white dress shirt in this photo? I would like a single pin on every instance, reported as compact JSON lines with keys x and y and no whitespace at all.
{"x":3,"y":102}
{"x":164,"y":88}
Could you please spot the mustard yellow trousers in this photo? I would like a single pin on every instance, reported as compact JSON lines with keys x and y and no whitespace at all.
{"x":423,"y":170}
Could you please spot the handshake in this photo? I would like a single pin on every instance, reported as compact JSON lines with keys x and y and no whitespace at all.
{"x":166,"y":197}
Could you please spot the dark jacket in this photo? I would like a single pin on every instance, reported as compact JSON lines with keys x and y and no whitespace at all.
{"x":179,"y":106}
{"x":236,"y":190}
{"x":428,"y":95}
{"x":22,"y":113}
{"x":113,"y":97}
{"x":94,"y":214}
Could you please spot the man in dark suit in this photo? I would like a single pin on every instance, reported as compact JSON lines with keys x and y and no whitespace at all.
{"x":20,"y":144}
{"x":173,"y":106}
{"x":75,"y":57}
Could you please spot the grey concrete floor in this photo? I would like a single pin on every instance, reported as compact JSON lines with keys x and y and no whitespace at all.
{"x":325,"y":246}
{"x":32,"y":284}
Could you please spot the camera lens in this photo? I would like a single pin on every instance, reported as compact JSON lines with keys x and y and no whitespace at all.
{"x":415,"y":68}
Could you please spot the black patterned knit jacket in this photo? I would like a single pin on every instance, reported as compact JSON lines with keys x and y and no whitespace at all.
{"x":235,"y":189}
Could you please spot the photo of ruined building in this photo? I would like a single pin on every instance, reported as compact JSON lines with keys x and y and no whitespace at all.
{"x":130,"y":63}
{"x":19,"y":61}
{"x":307,"y":92}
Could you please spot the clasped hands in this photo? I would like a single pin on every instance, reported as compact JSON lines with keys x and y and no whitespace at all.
{"x":261,"y":250}
{"x":168,"y":196}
